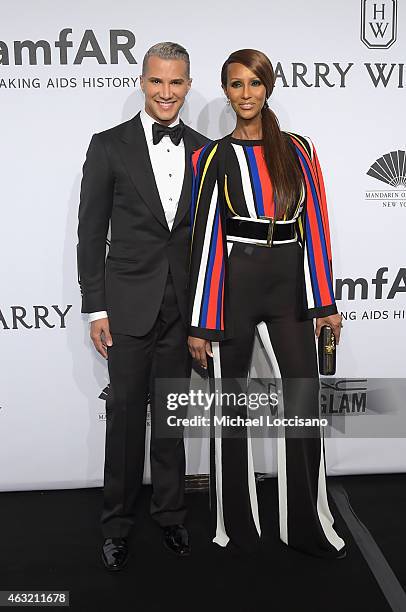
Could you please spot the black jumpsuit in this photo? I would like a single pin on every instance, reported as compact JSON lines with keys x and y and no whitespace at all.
{"x":238,"y":287}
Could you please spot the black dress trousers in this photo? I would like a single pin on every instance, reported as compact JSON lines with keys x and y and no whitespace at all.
{"x":136,"y":364}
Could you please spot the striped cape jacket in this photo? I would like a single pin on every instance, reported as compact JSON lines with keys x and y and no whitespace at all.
{"x":211,"y":205}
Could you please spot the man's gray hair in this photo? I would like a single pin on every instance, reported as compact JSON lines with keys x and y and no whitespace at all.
{"x":167,"y":51}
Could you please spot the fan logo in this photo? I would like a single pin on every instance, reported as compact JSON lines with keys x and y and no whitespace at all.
{"x":389,"y":169}
{"x":378,"y":23}
{"x":104,"y":394}
{"x":101,"y":416}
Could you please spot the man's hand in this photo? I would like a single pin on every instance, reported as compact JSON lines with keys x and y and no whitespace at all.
{"x":199,"y":348}
{"x":335,"y":323}
{"x":100,"y":335}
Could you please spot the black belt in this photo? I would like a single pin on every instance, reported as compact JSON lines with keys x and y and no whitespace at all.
{"x":265,"y":231}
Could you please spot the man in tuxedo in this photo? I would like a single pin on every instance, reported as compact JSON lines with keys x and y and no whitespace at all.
{"x":137,"y":179}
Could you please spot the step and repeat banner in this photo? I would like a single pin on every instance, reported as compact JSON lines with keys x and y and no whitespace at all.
{"x":70,"y":69}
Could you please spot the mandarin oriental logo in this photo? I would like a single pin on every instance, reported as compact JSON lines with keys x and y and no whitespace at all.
{"x":389,"y":169}
{"x":102,"y":416}
{"x":378,"y":23}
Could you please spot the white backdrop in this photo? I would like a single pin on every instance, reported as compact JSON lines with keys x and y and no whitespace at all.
{"x":51,"y":417}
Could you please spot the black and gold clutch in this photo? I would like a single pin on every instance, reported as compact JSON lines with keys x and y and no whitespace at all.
{"x":327,"y":351}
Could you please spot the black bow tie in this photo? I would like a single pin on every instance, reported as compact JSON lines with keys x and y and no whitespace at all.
{"x":175,"y":133}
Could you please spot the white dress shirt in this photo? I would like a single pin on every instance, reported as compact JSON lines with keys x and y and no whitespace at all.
{"x":168,"y":166}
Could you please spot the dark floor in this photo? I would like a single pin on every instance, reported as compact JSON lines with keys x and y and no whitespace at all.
{"x":50,"y":540}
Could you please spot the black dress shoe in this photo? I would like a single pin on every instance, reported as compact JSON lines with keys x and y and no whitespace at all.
{"x":115,"y":553}
{"x":176,"y":539}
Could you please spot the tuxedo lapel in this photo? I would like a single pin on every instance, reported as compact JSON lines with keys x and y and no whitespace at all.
{"x":186,"y":193}
{"x":135,"y":155}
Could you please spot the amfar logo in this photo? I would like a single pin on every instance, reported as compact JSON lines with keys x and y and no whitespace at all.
{"x":120,"y":41}
{"x":378,"y":23}
{"x":398,"y":285}
{"x":37,"y":316}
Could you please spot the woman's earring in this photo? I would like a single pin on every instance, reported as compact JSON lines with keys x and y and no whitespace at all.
{"x":266,"y":105}
{"x":228,"y":101}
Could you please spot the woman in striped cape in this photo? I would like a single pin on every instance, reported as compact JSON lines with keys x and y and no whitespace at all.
{"x":261,"y":256}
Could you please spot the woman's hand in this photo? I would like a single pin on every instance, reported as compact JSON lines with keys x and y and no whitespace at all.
{"x":335,"y":323}
{"x":199,"y":348}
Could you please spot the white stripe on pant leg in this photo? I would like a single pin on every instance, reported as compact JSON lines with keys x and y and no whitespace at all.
{"x":252,"y":487}
{"x":281,"y":443}
{"x":221,"y":536}
{"x":323,"y":510}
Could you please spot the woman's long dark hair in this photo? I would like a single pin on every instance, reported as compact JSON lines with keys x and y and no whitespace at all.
{"x":279,"y":156}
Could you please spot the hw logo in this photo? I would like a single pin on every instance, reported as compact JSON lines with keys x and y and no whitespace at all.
{"x":378,"y":23}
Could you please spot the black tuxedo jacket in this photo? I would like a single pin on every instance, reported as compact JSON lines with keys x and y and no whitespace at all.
{"x":118,"y":187}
